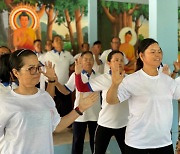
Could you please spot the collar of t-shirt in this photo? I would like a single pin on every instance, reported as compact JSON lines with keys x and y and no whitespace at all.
{"x":85,"y":72}
{"x":6,"y":84}
{"x":55,"y":51}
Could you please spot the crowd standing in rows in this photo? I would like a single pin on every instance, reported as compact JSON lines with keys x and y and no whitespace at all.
{"x":28,"y":112}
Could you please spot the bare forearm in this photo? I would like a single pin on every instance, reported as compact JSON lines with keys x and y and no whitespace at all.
{"x":62,"y":89}
{"x":51,"y":89}
{"x":111,"y":96}
{"x":67,"y":120}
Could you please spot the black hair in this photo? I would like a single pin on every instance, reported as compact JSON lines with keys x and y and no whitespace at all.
{"x":37,"y":40}
{"x":128,"y":32}
{"x":144,"y":44}
{"x":110,"y":55}
{"x":5,"y":68}
{"x":82,"y":45}
{"x":115,"y":37}
{"x":16,"y":58}
{"x":23,"y":13}
{"x":86,"y":52}
{"x":56,"y":36}
{"x":97,"y":42}
{"x":6,"y":48}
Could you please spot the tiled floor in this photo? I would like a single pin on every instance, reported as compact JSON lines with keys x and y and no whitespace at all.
{"x":65,"y":137}
{"x":63,"y":143}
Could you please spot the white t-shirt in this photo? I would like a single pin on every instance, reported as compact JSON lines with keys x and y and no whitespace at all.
{"x":150,"y":108}
{"x":62,"y":61}
{"x":111,"y":116}
{"x":41,"y":58}
{"x":27,"y":123}
{"x":103,"y":59}
{"x":98,"y":68}
{"x":77,"y":56}
{"x":92,"y":113}
{"x":4,"y":89}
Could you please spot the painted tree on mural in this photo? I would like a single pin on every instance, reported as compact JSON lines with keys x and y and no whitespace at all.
{"x":143,"y":12}
{"x":69,"y":10}
{"x":123,"y":14}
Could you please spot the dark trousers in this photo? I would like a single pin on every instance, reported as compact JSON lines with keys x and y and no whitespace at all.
{"x":63,"y":103}
{"x":162,"y":150}
{"x":103,"y":137}
{"x":79,"y":130}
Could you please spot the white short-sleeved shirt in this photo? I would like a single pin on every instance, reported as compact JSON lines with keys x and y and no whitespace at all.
{"x":98,"y":68}
{"x":27,"y":123}
{"x":111,"y":116}
{"x":103,"y":59}
{"x":62,"y":61}
{"x":4,"y":89}
{"x":150,"y":108}
{"x":92,"y":113}
{"x":41,"y":58}
{"x":77,"y":56}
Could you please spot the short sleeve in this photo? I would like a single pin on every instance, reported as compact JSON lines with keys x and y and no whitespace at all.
{"x":176,"y":94}
{"x":4,"y":118}
{"x":123,"y":92}
{"x":70,"y":85}
{"x":99,"y":83}
{"x":55,"y":115}
{"x":103,"y":57}
{"x":71,"y":58}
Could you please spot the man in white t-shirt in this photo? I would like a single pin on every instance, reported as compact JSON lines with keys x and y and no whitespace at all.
{"x":112,"y":119}
{"x":115,"y":43}
{"x":96,"y":50}
{"x":89,"y":117}
{"x":64,"y":62}
{"x":38,"y":50}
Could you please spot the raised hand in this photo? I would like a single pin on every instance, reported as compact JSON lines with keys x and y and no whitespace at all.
{"x":117,"y":74}
{"x":86,"y":102}
{"x":176,"y":66}
{"x":78,"y":65}
{"x":165,"y":70}
{"x":50,"y":72}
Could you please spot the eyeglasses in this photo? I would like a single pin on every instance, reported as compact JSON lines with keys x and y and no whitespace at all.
{"x":33,"y":70}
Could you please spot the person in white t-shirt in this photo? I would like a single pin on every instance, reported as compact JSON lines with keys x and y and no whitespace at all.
{"x":115,"y":43}
{"x":149,"y":93}
{"x":96,"y":50}
{"x":112,"y":119}
{"x":63,"y":61}
{"x":40,"y":54}
{"x":89,"y":117}
{"x":28,"y":115}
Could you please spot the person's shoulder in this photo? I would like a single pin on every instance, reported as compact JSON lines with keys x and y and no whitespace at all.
{"x":67,"y":52}
{"x":5,"y":94}
{"x":133,"y":75}
{"x":107,"y":51}
{"x":165,"y":76}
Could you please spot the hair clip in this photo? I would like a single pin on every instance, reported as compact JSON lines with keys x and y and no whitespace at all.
{"x":21,"y":52}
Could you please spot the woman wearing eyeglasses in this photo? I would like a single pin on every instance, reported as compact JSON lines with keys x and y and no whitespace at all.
{"x":28,"y":115}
